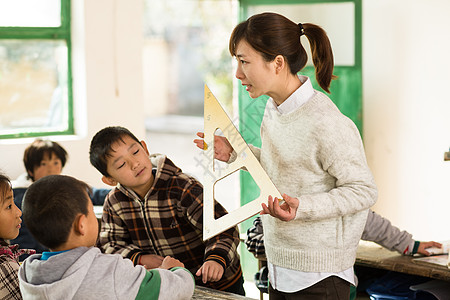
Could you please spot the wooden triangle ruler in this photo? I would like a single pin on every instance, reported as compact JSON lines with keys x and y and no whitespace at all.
{"x":217,"y":118}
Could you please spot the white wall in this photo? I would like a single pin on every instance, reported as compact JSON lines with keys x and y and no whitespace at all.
{"x":107,"y":45}
{"x":406,"y":46}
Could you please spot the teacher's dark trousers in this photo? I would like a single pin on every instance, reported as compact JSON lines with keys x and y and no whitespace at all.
{"x":331,"y":288}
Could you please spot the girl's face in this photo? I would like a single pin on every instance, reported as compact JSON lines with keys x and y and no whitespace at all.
{"x":49,"y":166}
{"x":9,"y":218}
{"x":256,"y":74}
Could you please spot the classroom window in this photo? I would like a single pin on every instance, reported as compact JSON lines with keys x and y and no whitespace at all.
{"x":185,"y":47}
{"x":35,"y":68}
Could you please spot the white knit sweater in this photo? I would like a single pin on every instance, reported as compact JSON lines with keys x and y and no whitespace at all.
{"x":315,"y":154}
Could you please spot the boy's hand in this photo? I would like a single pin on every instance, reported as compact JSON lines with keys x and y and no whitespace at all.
{"x":151,"y":261}
{"x":284,"y":212}
{"x":424,"y":245}
{"x":210,"y":271}
{"x":170,"y":262}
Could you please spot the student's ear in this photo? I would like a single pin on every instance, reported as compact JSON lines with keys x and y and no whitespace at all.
{"x":109,"y":181}
{"x":280,"y":63}
{"x":80,"y":224}
{"x":144,"y":145}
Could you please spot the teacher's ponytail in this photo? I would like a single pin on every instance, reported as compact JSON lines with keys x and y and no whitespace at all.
{"x":272,"y":34}
{"x":322,"y":54}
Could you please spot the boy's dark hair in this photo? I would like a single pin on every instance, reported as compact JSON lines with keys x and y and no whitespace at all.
{"x":5,"y":187}
{"x":50,"y":206}
{"x":101,"y":144}
{"x":35,"y":152}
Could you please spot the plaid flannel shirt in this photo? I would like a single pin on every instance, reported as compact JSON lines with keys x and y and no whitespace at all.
{"x":9,"y":267}
{"x":255,"y":239}
{"x":168,"y":221}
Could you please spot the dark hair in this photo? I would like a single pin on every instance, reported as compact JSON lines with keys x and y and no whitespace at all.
{"x":35,"y":152}
{"x":101,"y":146}
{"x":51,"y":205}
{"x":5,"y":187}
{"x":272,"y":34}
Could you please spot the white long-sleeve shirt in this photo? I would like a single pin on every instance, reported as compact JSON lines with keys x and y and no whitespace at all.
{"x":312,"y":152}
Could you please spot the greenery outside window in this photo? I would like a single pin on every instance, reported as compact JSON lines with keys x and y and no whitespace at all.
{"x":35,"y":68}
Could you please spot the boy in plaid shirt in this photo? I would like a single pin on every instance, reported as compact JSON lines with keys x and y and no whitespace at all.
{"x":156,"y":210}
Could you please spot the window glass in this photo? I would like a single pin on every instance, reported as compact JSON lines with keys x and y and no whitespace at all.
{"x":33,"y":81}
{"x":186,"y":46}
{"x":30,"y":13}
{"x":35,"y":68}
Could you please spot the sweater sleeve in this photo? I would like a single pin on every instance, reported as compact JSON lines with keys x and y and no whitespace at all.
{"x":176,"y":283}
{"x":256,"y":151}
{"x":382,"y":232}
{"x":221,"y":248}
{"x":341,"y":155}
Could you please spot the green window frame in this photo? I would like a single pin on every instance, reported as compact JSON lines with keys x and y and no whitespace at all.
{"x":61,"y":33}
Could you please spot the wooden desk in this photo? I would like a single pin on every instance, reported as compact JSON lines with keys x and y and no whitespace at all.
{"x":372,"y":255}
{"x":203,"y":293}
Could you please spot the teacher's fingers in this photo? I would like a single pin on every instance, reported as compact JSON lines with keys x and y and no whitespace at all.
{"x":291,"y":201}
{"x":270,"y":204}
{"x":265,"y":210}
{"x":200,"y":144}
{"x":278,"y":211}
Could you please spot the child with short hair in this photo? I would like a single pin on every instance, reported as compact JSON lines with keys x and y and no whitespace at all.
{"x":41,"y":158}
{"x":9,"y":228}
{"x":60,"y":215}
{"x":156,"y":210}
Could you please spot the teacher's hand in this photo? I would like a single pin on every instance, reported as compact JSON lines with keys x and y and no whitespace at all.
{"x":284,"y":212}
